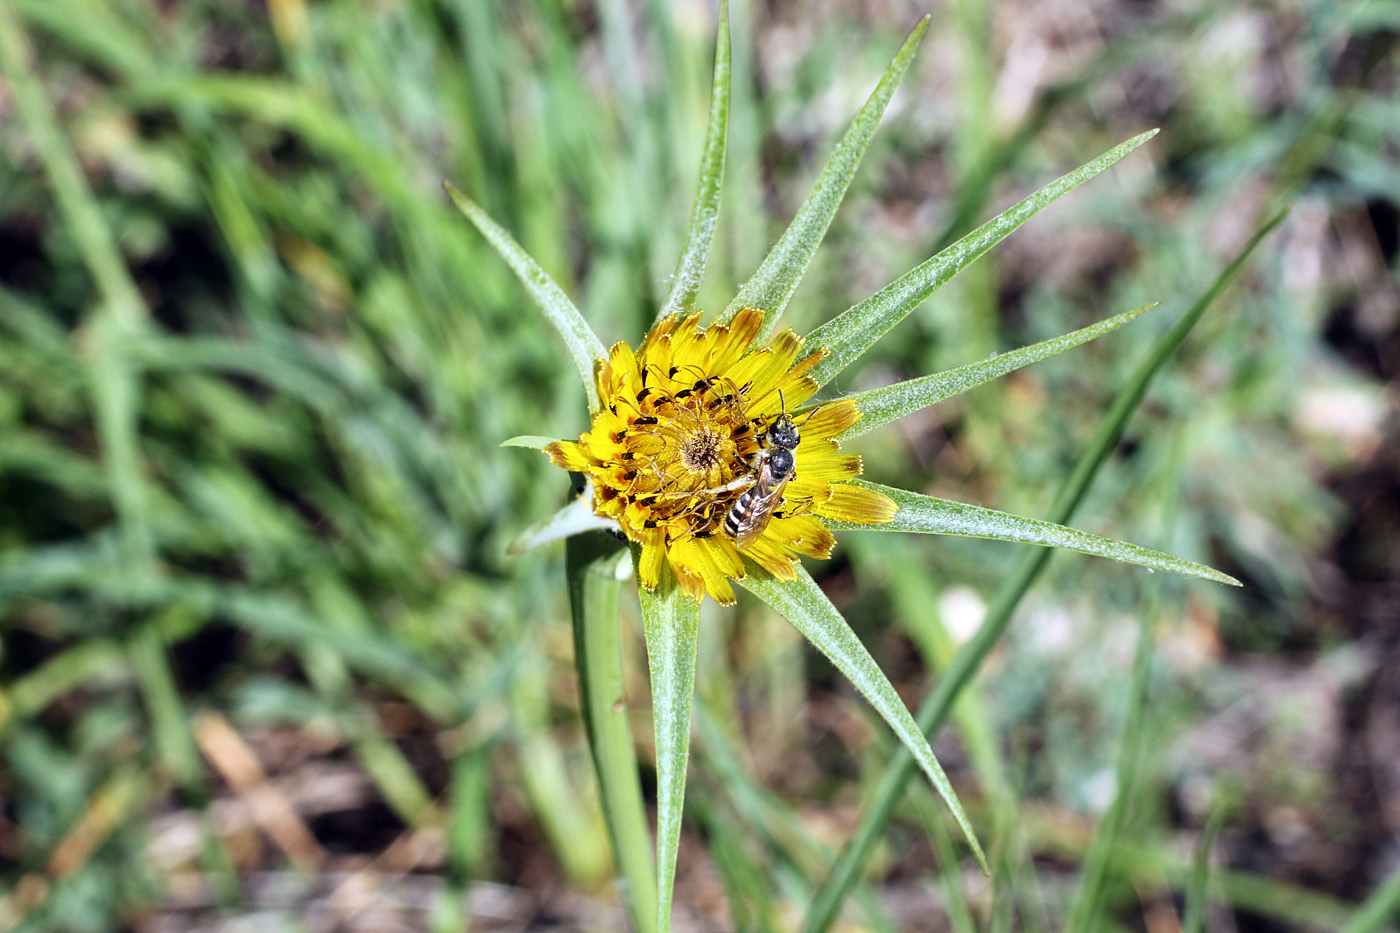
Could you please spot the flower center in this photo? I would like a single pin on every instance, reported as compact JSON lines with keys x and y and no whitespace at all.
{"x":701,"y":450}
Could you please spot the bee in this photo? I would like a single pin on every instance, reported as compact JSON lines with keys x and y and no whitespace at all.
{"x":777,"y":464}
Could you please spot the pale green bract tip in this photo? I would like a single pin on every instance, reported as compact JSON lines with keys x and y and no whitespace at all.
{"x":922,"y":514}
{"x":856,"y":329}
{"x":583,"y":345}
{"x":536,"y":441}
{"x":772,"y":286}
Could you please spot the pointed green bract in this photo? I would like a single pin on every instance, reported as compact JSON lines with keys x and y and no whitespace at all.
{"x":853,"y":331}
{"x":933,"y":712}
{"x":584,"y":346}
{"x":802,"y":603}
{"x":534,"y":441}
{"x":574,"y":518}
{"x":879,"y":407}
{"x":926,"y":515}
{"x":778,"y":275}
{"x":704,"y":216}
{"x":670,"y":620}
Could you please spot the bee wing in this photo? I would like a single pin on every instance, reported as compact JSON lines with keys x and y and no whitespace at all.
{"x":767,"y":496}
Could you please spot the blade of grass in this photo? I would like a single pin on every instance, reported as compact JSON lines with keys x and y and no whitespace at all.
{"x":671,"y":622}
{"x":750,"y":901}
{"x":856,"y":329}
{"x":1197,"y":889}
{"x":791,"y":843}
{"x":583,"y":345}
{"x":882,"y":405}
{"x":573,"y":825}
{"x":1086,"y":907}
{"x":592,"y":564}
{"x":1381,"y":910}
{"x":176,"y":748}
{"x":935,"y":708}
{"x":926,"y":515}
{"x":1156,"y":868}
{"x":114,"y":381}
{"x":802,"y":603}
{"x":704,"y":216}
{"x":771,"y":287}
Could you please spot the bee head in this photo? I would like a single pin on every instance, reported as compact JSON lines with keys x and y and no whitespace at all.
{"x":783,"y":432}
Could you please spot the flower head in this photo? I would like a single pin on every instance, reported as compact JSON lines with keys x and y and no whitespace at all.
{"x":684,"y":455}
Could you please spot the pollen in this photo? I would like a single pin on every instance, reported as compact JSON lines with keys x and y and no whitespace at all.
{"x":701,"y":451}
{"x":679,"y":439}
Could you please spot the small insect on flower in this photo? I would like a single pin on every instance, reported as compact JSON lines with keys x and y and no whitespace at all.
{"x":694,"y":455}
{"x":763,"y":497}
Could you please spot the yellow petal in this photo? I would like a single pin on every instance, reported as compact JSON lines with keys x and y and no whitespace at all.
{"x":689,"y":583}
{"x":734,"y":339}
{"x":649,"y":564}
{"x":703,"y":558}
{"x":856,"y":504}
{"x":831,"y":419}
{"x":821,"y":461}
{"x":623,"y":364}
{"x":771,"y":556}
{"x":569,"y":455}
{"x":804,"y":365}
{"x":804,"y":534}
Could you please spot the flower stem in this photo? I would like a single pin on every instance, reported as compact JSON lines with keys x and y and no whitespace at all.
{"x":592,"y":563}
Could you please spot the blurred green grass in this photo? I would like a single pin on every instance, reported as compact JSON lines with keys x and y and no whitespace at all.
{"x":254,"y":372}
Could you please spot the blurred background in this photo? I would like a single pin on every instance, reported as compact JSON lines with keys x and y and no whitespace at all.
{"x":265,"y":664}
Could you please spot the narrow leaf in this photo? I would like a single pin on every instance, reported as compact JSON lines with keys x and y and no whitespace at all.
{"x":853,"y":331}
{"x":1381,"y":910}
{"x":879,"y":407}
{"x":536,"y":441}
{"x":802,"y":603}
{"x":933,"y":712}
{"x":1197,"y":888}
{"x":671,"y":622}
{"x":591,"y":567}
{"x":780,"y":272}
{"x":574,"y":518}
{"x":927,"y":515}
{"x":584,"y":346}
{"x":704,"y":216}
{"x":1088,"y":905}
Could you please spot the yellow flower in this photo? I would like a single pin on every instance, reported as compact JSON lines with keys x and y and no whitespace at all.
{"x":679,"y":438}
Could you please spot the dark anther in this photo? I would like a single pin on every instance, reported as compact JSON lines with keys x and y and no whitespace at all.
{"x":645,"y":391}
{"x":628,"y":455}
{"x":647,"y":419}
{"x":630,"y":475}
{"x":674,"y":370}
{"x":683,"y":393}
{"x":648,"y":524}
{"x":700,"y":384}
